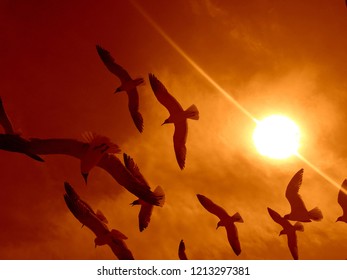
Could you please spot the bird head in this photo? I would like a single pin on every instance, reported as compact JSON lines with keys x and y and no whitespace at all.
{"x":85,"y":177}
{"x":339,"y":219}
{"x":99,"y":241}
{"x":135,"y":202}
{"x":286,"y":216}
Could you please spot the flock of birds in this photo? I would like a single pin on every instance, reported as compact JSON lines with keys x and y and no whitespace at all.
{"x":99,"y":151}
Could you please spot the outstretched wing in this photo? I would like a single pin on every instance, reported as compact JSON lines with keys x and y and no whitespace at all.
{"x":111,"y":65}
{"x":163,"y":96}
{"x":145,"y":215}
{"x":292,"y":193}
{"x":233,"y":238}
{"x":133,"y":105}
{"x":179,"y":139}
{"x":4,"y":120}
{"x":278,"y":219}
{"x":293,"y":245}
{"x":133,"y":168}
{"x":342,"y":197}
{"x":182,"y":251}
{"x":211,"y":207}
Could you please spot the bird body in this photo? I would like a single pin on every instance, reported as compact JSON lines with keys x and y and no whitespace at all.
{"x":226,"y":221}
{"x":342,"y":200}
{"x":182,"y":251}
{"x":289,"y":230}
{"x":146,"y":208}
{"x":178,"y":117}
{"x":299,"y":211}
{"x":127,"y":84}
{"x":98,"y":147}
{"x":85,"y":214}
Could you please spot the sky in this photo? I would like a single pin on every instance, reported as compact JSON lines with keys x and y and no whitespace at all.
{"x":272,"y":57}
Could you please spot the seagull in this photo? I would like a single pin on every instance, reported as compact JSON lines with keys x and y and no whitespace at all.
{"x":85,"y":214}
{"x":178,"y":117}
{"x":127,"y":84}
{"x":342,"y":200}
{"x":289,"y":230}
{"x":225,"y":220}
{"x":181,"y":251}
{"x":298,"y":208}
{"x":12,"y":141}
{"x":146,"y":208}
{"x":97,"y":146}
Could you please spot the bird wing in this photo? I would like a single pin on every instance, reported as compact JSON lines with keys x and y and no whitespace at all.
{"x":211,"y":207}
{"x":233,"y":238}
{"x":120,"y":249}
{"x":145,"y":215}
{"x":111,"y":65}
{"x":4,"y":120}
{"x":82,"y":213}
{"x":163,"y":96}
{"x":133,"y":105}
{"x":109,"y":162}
{"x":342,"y":197}
{"x":293,"y":244}
{"x":179,"y":139}
{"x":182,"y":251}
{"x":278,"y":219}
{"x":133,"y":168}
{"x":292,"y":193}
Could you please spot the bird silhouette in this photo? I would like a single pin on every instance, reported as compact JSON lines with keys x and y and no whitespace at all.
{"x":97,"y":147}
{"x":298,"y":208}
{"x":75,"y":148}
{"x":225,"y":220}
{"x":178,"y":117}
{"x":12,"y":141}
{"x":146,"y":208}
{"x":182,"y":251}
{"x":289,"y":230}
{"x":85,"y":214}
{"x":127,"y":84}
{"x":342,"y":200}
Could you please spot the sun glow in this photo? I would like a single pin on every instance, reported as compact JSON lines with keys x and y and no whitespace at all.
{"x":277,"y":137}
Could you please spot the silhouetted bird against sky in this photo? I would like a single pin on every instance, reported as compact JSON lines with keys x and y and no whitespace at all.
{"x":146,"y":208}
{"x":225,"y":221}
{"x":98,"y":147}
{"x":298,"y":208}
{"x":182,"y":251}
{"x":127,"y":84}
{"x":178,"y":117}
{"x":85,"y":214}
{"x":289,"y":230}
{"x":342,"y":200}
{"x":12,"y":141}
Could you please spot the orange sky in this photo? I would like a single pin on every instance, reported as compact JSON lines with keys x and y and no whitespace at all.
{"x":285,"y":57}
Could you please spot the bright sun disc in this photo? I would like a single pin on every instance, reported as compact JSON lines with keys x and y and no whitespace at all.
{"x":277,"y":137}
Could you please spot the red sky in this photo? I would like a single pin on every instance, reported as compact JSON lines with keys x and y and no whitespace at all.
{"x":286,"y":57}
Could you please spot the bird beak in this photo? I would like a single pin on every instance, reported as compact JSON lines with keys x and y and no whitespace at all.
{"x":85,"y":177}
{"x":163,"y":123}
{"x":217,"y":227}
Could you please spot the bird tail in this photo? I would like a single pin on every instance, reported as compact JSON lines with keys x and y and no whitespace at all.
{"x":298,"y":226}
{"x":160,"y":196}
{"x":237,"y":218}
{"x":192,"y":112}
{"x":315,"y":214}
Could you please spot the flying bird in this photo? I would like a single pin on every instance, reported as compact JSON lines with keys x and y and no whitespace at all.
{"x":146,"y":208}
{"x":98,"y":146}
{"x":12,"y":141}
{"x":85,"y":214}
{"x":289,"y":230}
{"x":225,"y":220}
{"x":178,"y":117}
{"x":298,"y":208}
{"x":182,"y":251}
{"x":342,"y":200}
{"x":127,"y":84}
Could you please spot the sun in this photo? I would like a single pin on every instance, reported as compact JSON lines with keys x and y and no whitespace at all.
{"x":277,"y":137}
